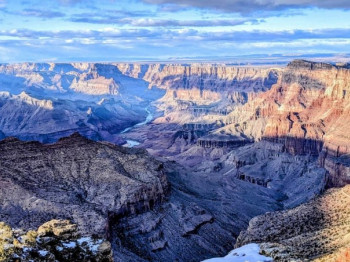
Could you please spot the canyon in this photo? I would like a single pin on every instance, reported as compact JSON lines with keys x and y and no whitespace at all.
{"x":221,"y":156}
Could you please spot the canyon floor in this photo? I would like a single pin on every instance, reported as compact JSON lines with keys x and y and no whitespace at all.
{"x":179,"y":162}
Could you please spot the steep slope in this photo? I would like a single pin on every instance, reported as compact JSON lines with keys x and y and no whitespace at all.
{"x":316,"y":231}
{"x":298,"y":128}
{"x":246,"y":141}
{"x":197,"y":99}
{"x":85,"y":181}
{"x":122,"y":194}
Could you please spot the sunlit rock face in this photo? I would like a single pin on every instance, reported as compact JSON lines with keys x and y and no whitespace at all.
{"x":306,"y":111}
{"x":316,"y":231}
{"x":291,"y":125}
{"x":99,"y":80}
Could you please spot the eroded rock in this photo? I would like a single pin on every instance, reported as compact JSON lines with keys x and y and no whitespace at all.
{"x":56,"y":240}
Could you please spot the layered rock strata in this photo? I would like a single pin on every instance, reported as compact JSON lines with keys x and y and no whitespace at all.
{"x":306,"y":111}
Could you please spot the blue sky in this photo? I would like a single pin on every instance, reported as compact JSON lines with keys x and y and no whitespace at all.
{"x":120,"y":30}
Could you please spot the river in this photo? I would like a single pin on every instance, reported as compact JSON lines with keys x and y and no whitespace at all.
{"x":132,"y":143}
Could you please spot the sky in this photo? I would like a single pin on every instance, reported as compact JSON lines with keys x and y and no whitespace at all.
{"x":170,"y":30}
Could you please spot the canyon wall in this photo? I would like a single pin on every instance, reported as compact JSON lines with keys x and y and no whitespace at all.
{"x":204,"y":83}
{"x":307,"y":111}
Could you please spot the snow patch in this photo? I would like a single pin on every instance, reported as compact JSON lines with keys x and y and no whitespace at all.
{"x":70,"y":244}
{"x":43,"y":253}
{"x":247,"y":253}
{"x":89,"y":243}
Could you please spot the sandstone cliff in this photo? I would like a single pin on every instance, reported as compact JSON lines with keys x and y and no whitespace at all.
{"x":306,"y":111}
{"x":204,"y":83}
{"x":94,"y":84}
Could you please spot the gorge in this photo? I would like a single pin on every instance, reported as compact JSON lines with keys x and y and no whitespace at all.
{"x":222,"y":156}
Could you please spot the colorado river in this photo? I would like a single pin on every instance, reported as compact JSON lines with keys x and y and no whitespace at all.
{"x":132,"y":143}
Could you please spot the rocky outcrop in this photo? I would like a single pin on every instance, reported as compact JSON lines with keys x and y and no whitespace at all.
{"x":227,"y":141}
{"x":204,"y":83}
{"x":85,"y":181}
{"x":56,"y":240}
{"x":316,"y":231}
{"x":251,"y":179}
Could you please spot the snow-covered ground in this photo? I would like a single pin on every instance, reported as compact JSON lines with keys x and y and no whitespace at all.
{"x":247,"y":253}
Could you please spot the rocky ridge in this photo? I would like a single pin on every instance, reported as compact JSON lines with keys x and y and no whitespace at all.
{"x":123,"y":195}
{"x":77,"y":179}
{"x":315,"y":231}
{"x":47,"y":101}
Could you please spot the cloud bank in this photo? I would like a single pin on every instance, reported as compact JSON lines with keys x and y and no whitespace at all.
{"x":244,"y":6}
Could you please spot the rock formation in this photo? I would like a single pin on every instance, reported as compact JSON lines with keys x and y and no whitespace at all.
{"x":306,"y":111}
{"x":213,"y":77}
{"x":85,"y":181}
{"x":316,"y":231}
{"x":93,"y":83}
{"x":299,"y":127}
{"x":56,"y":240}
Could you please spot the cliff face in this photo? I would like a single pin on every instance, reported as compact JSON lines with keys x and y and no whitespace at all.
{"x":48,"y":119}
{"x":203,"y":76}
{"x":86,"y":181}
{"x":86,"y":78}
{"x":99,"y":80}
{"x":203,"y":83}
{"x":307,"y":111}
{"x":122,"y":194}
